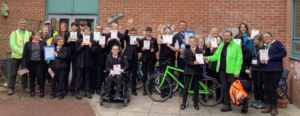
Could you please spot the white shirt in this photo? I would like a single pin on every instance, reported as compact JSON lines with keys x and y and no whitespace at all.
{"x":115,"y":56}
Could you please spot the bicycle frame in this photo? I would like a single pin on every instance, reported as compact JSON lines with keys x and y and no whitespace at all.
{"x":205,"y":91}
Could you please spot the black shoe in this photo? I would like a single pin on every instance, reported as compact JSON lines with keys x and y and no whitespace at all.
{"x":88,"y":95}
{"x":196,"y":106}
{"x":106,"y":97}
{"x":52,"y":96}
{"x":92,"y":92}
{"x":134,"y":93}
{"x":42,"y":94}
{"x":226,"y":108}
{"x":61,"y":97}
{"x":244,"y":109}
{"x":72,"y":93}
{"x":98,"y":91}
{"x":77,"y":95}
{"x":27,"y":90}
{"x":162,"y":95}
{"x":32,"y":94}
{"x":118,"y":97}
{"x":10,"y":91}
{"x":144,"y":93}
{"x":182,"y":107}
{"x":204,"y":100}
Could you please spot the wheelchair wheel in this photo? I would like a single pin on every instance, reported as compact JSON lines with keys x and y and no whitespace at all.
{"x":174,"y":84}
{"x":281,"y":93}
{"x":129,"y":95}
{"x":125,"y":102}
{"x":101,"y":101}
{"x":152,"y":84}
{"x":215,"y":92}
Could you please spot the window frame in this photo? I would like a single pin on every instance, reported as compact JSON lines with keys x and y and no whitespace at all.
{"x":294,"y":54}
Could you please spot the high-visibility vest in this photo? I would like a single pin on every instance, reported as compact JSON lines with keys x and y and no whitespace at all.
{"x":20,"y":42}
{"x":237,"y":93}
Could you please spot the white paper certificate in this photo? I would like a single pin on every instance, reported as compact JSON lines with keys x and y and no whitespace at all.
{"x":214,"y":43}
{"x":48,"y":51}
{"x":199,"y":58}
{"x":187,"y":35}
{"x":238,"y":41}
{"x":132,"y":39}
{"x":117,"y":69}
{"x":23,"y":71}
{"x":97,"y":35}
{"x":263,"y":54}
{"x":147,"y":44}
{"x":102,"y":40}
{"x":114,"y":34}
{"x":51,"y":74}
{"x":176,"y":44}
{"x":86,"y":39}
{"x":254,"y":33}
{"x":73,"y":34}
{"x":167,"y":38}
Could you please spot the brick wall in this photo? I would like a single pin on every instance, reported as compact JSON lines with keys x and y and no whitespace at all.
{"x":201,"y":16}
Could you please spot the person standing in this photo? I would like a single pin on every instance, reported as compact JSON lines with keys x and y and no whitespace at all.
{"x":248,"y":41}
{"x":114,"y":41}
{"x":51,"y":31}
{"x":272,"y":70}
{"x":18,"y":38}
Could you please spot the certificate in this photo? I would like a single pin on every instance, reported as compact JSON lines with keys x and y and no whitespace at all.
{"x":117,"y":69}
{"x":187,"y":35}
{"x":48,"y":52}
{"x":86,"y":39}
{"x":114,"y":34}
{"x":214,"y":43}
{"x":176,"y":44}
{"x":254,"y":33}
{"x":263,"y":54}
{"x":73,"y":34}
{"x":102,"y":40}
{"x":97,"y":35}
{"x":147,"y":44}
{"x":51,"y":74}
{"x":238,"y":41}
{"x":132,"y":39}
{"x":199,"y":58}
{"x":167,"y":38}
{"x":23,"y":71}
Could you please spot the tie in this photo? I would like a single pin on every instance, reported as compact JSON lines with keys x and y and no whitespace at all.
{"x":200,"y":48}
{"x":35,"y":43}
{"x":115,"y":58}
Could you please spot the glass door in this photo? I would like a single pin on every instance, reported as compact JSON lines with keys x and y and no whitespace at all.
{"x":57,"y":19}
{"x":90,"y":19}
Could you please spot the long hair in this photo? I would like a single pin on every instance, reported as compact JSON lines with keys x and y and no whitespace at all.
{"x":259,"y":38}
{"x":246,"y":26}
{"x":33,"y":34}
{"x":59,"y":31}
{"x":110,"y":57}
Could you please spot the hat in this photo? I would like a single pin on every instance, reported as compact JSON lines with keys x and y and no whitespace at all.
{"x":47,"y":22}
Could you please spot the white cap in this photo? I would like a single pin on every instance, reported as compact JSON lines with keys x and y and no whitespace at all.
{"x":47,"y":22}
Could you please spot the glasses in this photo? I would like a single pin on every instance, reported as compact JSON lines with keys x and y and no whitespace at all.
{"x":267,"y":36}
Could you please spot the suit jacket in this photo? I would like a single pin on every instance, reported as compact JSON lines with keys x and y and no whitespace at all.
{"x":114,"y":42}
{"x":245,"y":63}
{"x":85,"y":54}
{"x":121,"y":60}
{"x":189,"y":58}
{"x":61,"y":59}
{"x":27,"y":54}
{"x":71,"y":45}
{"x":100,"y":55}
{"x":130,"y":50}
{"x":147,"y":53}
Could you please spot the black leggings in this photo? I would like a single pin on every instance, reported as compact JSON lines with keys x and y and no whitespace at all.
{"x":35,"y":71}
{"x":258,"y":85}
{"x":224,"y":77}
{"x":110,"y":80}
{"x":270,"y":81}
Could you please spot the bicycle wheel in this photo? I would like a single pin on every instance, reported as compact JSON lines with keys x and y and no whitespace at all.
{"x":139,"y":82}
{"x":174,"y":83}
{"x":153,"y":82}
{"x":215,"y":92}
{"x":281,"y":93}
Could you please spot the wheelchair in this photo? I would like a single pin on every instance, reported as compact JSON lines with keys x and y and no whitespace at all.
{"x":125,"y":91}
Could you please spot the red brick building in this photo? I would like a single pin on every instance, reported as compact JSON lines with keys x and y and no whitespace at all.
{"x":277,"y":16}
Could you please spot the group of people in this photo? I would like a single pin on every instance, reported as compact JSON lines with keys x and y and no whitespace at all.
{"x":226,"y":62}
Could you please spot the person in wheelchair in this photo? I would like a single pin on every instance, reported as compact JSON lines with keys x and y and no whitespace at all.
{"x":115,"y":59}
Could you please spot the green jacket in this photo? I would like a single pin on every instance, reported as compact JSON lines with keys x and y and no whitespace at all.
{"x":234,"y":58}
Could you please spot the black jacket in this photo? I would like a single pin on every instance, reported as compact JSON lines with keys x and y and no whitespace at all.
{"x":189,"y":58}
{"x":100,"y":55}
{"x":72,"y":44}
{"x":121,"y":60}
{"x":147,"y":53}
{"x":61,"y":59}
{"x":258,"y":66}
{"x":245,"y":51}
{"x":130,"y":50}
{"x":27,"y":54}
{"x":114,"y":42}
{"x":85,"y":54}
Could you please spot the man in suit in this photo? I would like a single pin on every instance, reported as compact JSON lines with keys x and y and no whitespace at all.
{"x":131,"y":52}
{"x":99,"y":64}
{"x":114,"y":41}
{"x":58,"y":68}
{"x":148,"y":56}
{"x":70,"y":43}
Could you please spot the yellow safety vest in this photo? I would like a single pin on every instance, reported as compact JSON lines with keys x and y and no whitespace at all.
{"x":20,"y":42}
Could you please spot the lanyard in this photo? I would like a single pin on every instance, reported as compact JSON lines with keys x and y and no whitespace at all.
{"x":182,"y":38}
{"x":268,"y":47}
{"x":255,"y":52}
{"x":22,"y":34}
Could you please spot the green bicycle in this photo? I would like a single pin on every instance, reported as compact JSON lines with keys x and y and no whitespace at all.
{"x":209,"y":88}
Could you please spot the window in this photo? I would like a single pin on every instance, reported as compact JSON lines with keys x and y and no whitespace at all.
{"x":296,"y":29}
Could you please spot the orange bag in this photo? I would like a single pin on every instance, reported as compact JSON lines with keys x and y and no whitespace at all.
{"x":237,"y":94}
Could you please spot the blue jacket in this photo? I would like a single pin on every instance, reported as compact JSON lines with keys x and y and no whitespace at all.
{"x":276,"y":53}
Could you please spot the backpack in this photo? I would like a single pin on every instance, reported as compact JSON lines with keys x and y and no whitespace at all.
{"x":237,"y":94}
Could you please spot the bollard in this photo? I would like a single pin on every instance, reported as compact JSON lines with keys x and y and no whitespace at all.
{"x":8,"y":65}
